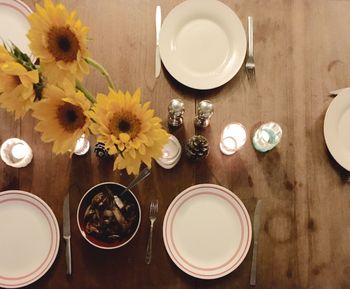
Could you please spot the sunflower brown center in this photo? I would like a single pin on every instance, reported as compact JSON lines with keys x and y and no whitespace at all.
{"x":71,"y":117}
{"x":125,"y":122}
{"x":16,"y":80}
{"x":63,"y":44}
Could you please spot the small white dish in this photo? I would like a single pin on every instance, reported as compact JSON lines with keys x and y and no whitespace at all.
{"x":207,"y":231}
{"x":14,"y":24}
{"x":202,"y":43}
{"x":30,"y":238}
{"x":336,"y":128}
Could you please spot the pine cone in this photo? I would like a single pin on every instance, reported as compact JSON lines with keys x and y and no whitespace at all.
{"x":101,"y":151}
{"x":197,"y":148}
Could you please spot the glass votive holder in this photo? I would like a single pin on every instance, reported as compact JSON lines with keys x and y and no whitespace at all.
{"x":233,"y":138}
{"x":267,"y":136}
{"x":82,"y":146}
{"x":16,"y":153}
{"x":171,"y":153}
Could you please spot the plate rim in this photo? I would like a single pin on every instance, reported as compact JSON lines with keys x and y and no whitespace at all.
{"x":248,"y":223}
{"x":56,"y":239}
{"x":328,"y":129}
{"x":25,"y":11}
{"x":205,"y":85}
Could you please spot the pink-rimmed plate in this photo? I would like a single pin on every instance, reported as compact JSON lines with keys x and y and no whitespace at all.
{"x":336,"y":128}
{"x":29,"y":238}
{"x":207,"y":231}
{"x":14,"y":24}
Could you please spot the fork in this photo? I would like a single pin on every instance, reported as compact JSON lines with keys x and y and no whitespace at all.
{"x":153,"y":210}
{"x":250,"y":64}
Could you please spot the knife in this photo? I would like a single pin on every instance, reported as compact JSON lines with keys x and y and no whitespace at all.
{"x":256,"y":228}
{"x":67,"y":234}
{"x":336,"y":92}
{"x":158,"y":24}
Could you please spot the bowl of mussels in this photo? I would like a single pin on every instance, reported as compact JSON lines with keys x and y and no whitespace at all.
{"x":107,"y":217}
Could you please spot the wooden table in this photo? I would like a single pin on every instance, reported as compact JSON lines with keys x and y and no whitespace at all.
{"x":302,"y":51}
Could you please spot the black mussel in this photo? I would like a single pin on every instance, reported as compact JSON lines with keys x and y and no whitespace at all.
{"x":92,"y":228}
{"x":107,"y":221}
{"x":89,"y":212}
{"x":100,"y":200}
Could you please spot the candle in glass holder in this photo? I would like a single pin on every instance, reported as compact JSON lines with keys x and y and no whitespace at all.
{"x":233,"y":137}
{"x":82,"y":146}
{"x":19,"y":151}
{"x":171,"y":153}
{"x":16,"y":153}
{"x":267,"y":136}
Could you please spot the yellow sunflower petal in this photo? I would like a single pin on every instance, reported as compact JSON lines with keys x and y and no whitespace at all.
{"x":59,"y":39}
{"x":16,"y":87}
{"x":121,"y":119}
{"x":124,"y":137}
{"x":61,"y":120}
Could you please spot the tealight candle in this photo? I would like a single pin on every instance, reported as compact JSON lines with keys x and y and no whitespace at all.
{"x":171,"y":153}
{"x":19,"y":151}
{"x":233,"y":138}
{"x":267,"y":136}
{"x":16,"y":153}
{"x":82,"y":146}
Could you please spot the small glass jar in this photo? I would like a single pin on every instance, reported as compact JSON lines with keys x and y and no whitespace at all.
{"x":171,"y":153}
{"x":233,"y":138}
{"x":82,"y":146}
{"x":267,"y":136}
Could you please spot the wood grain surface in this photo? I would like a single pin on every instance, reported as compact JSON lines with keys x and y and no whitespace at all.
{"x":302,"y":51}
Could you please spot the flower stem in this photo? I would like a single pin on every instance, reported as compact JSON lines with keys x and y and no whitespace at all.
{"x":102,"y":70}
{"x":86,"y":92}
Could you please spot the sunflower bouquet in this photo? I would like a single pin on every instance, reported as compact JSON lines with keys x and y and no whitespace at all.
{"x":52,"y":90}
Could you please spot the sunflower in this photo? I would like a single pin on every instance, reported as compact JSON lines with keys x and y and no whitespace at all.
{"x":60,"y":41}
{"x":62,"y":115}
{"x":16,"y":85}
{"x":128,"y":129}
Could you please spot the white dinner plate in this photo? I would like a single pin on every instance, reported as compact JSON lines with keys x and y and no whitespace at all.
{"x":14,"y":24}
{"x":29,"y":238}
{"x":207,"y":231}
{"x":202,"y":43}
{"x":336,"y":128}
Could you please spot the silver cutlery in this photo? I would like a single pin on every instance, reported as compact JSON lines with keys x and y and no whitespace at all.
{"x":67,"y":234}
{"x":158,"y":25}
{"x":256,"y":228}
{"x":140,"y":177}
{"x":153,"y":211}
{"x":336,"y":92}
{"x":250,"y":64}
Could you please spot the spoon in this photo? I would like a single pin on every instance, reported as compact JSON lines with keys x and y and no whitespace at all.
{"x":140,"y":177}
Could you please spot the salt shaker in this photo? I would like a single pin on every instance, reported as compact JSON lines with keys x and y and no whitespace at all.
{"x":176,"y":109}
{"x":205,"y":111}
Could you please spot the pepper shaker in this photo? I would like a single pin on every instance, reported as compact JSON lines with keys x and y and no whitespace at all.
{"x":176,"y":109}
{"x":205,"y":111}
